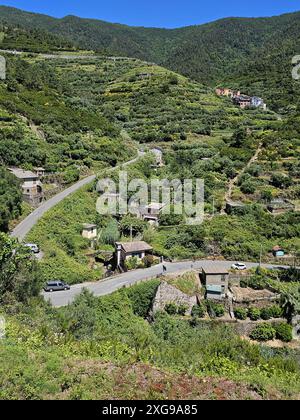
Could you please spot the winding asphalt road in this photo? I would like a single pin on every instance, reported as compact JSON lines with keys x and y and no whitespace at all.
{"x":23,"y":228}
{"x":108,"y":286}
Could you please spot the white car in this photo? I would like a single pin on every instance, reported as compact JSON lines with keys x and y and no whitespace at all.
{"x":239,"y":266}
{"x":33,"y":248}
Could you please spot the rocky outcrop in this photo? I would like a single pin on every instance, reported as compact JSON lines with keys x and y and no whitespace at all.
{"x":296,"y":327}
{"x":169,"y":294}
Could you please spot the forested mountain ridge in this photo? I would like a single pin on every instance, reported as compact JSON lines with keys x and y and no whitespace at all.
{"x":252,"y":53}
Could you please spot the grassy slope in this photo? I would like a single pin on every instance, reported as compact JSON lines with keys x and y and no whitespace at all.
{"x":59,"y":234}
{"x":98,"y":347}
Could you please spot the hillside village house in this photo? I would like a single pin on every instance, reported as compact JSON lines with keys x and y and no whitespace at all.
{"x":32,"y":187}
{"x":257,"y":102}
{"x":227,"y":92}
{"x":278,"y":251}
{"x":243,"y":101}
{"x":89,"y":231}
{"x":40,"y":171}
{"x":158,"y":157}
{"x":151,"y":213}
{"x":216,"y":281}
{"x":127,"y":250}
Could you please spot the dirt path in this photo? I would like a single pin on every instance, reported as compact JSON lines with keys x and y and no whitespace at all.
{"x":233,"y":181}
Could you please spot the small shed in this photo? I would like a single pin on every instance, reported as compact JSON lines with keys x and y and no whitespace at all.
{"x":278,"y":251}
{"x":216,"y":280}
{"x":89,"y":231}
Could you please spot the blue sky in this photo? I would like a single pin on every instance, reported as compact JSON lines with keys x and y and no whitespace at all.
{"x":158,"y":13}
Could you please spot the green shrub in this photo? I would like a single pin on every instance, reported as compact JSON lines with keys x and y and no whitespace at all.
{"x":215,"y":310}
{"x":182,"y":309}
{"x":171,"y":308}
{"x":141,"y":297}
{"x":263,"y":332}
{"x":254,"y":314}
{"x":258,"y":282}
{"x":148,"y":261}
{"x":266,"y":314}
{"x":198,"y":311}
{"x":132,"y":263}
{"x":284,"y":332}
{"x":241,"y":313}
{"x":276,"y":311}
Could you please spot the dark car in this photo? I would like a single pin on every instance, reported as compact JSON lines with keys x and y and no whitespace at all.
{"x":55,"y":286}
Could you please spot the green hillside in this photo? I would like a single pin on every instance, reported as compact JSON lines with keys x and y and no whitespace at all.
{"x":87,"y":113}
{"x":254,"y":54}
{"x":32,"y":40}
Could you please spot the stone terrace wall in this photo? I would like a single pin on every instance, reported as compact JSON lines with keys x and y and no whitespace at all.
{"x":169,"y":294}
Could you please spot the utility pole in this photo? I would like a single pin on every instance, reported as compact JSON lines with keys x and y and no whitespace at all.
{"x":260,"y":255}
{"x":131,"y":238}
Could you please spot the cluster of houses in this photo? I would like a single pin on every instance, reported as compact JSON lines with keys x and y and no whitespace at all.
{"x":242,"y":100}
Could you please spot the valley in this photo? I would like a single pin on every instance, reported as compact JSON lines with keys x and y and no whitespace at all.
{"x":78,"y":106}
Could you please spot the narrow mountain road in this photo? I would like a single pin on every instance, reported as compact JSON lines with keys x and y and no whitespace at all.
{"x":108,"y":286}
{"x":72,"y":56}
{"x":233,"y":181}
{"x":22,"y":229}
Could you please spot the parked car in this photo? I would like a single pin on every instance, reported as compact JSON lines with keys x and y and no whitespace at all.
{"x":239,"y":266}
{"x":33,"y":248}
{"x":56,"y":286}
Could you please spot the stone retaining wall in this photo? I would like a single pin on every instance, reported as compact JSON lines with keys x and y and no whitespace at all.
{"x":169,"y":294}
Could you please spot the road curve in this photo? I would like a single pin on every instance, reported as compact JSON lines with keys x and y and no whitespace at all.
{"x":23,"y":228}
{"x":108,"y":286}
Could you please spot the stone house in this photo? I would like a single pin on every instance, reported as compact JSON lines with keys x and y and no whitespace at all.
{"x":89,"y":231}
{"x":216,"y":281}
{"x":158,"y":157}
{"x":227,"y":92}
{"x":32,"y":187}
{"x":127,"y":250}
{"x":234,"y":207}
{"x":243,"y":101}
{"x":151,"y":212}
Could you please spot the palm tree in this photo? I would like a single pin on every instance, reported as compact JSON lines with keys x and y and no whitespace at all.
{"x":291,"y":304}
